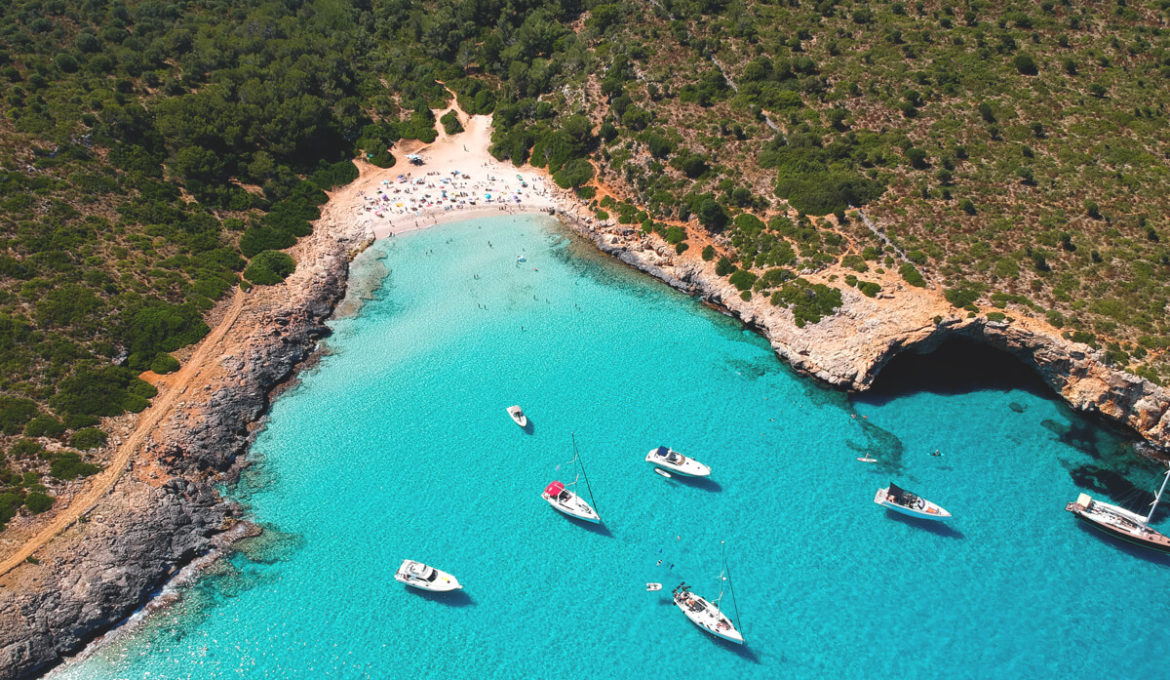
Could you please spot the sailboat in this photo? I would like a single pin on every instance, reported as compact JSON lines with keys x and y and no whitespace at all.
{"x":1121,"y":523}
{"x":705,"y":613}
{"x":563,"y":500}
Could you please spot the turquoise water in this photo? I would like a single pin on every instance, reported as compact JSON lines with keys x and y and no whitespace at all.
{"x":397,"y":446}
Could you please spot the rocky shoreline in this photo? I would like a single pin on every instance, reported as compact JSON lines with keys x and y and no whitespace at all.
{"x":850,"y":348}
{"x":164,"y":515}
{"x":164,"y":512}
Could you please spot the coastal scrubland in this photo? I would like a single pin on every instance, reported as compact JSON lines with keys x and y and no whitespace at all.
{"x":155,"y":155}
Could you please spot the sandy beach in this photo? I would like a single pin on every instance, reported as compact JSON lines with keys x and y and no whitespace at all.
{"x":458,"y":179}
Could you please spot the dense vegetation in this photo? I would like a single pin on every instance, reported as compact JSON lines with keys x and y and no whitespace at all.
{"x":157,"y":153}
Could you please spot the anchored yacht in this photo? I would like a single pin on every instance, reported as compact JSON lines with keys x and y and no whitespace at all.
{"x":419,"y":575}
{"x":676,"y":462}
{"x":900,"y":500}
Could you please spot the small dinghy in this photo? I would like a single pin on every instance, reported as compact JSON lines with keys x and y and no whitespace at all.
{"x":653,"y":587}
{"x":676,"y":462}
{"x":900,"y":500}
{"x":518,"y":416}
{"x":423,"y":577}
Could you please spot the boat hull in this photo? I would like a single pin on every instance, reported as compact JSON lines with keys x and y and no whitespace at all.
{"x":929,"y":511}
{"x":517,"y":416}
{"x":710,"y":620}
{"x":689,"y":467}
{"x":443,"y":582}
{"x":569,"y":511}
{"x":1151,"y":541}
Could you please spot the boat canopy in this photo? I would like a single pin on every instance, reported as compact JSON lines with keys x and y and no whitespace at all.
{"x":900,"y":495}
{"x":553,"y":490}
{"x":661,"y":451}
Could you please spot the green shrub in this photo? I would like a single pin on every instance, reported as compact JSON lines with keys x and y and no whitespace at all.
{"x":681,"y":248}
{"x":269,"y":268}
{"x":68,"y":465}
{"x":76,"y":421}
{"x":25,"y":449}
{"x":964,"y":294}
{"x":164,"y":363}
{"x":967,"y":206}
{"x":38,"y":502}
{"x":10,"y":502}
{"x":450,"y":121}
{"x":88,"y":438}
{"x":855,"y":262}
{"x":99,"y":392}
{"x":912,"y":275}
{"x":809,"y":302}
{"x":868,"y":288}
{"x":708,"y":253}
{"x":44,"y":425}
{"x":15,"y":412}
{"x":742,"y":279}
{"x":724,"y":267}
{"x":996,"y":316}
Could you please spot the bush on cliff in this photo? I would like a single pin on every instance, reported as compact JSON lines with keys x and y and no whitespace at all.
{"x":809,"y":302}
{"x":68,"y":465}
{"x":38,"y":502}
{"x":164,"y":363}
{"x":15,"y":412}
{"x":269,"y":268}
{"x":88,"y":438}
{"x":44,"y":425}
{"x":107,"y":391}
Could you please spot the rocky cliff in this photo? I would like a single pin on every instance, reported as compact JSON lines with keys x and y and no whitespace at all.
{"x":163,"y":512}
{"x":850,"y":348}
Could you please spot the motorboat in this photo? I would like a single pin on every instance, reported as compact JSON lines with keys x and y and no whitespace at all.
{"x":1121,"y":523}
{"x":569,"y":503}
{"x":900,"y":500}
{"x":705,"y":614}
{"x":419,"y":575}
{"x":676,"y":462}
{"x":518,"y":416}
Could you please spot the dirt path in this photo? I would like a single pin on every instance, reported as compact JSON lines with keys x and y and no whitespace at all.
{"x":102,"y":483}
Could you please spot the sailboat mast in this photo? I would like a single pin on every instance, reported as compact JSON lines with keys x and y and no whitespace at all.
{"x":1158,"y":497}
{"x":577,"y":455}
{"x":730,"y":586}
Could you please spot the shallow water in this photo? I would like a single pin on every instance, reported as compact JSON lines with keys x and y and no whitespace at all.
{"x":397,"y":446}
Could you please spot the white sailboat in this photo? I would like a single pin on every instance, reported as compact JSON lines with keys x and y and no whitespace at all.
{"x":706,"y":613}
{"x":1121,"y":523}
{"x":568,"y":502}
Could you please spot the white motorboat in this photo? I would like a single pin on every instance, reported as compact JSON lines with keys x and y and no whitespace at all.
{"x":569,"y":503}
{"x":1121,"y":523}
{"x":518,"y":416}
{"x":900,"y":500}
{"x":419,"y":575}
{"x":705,"y":614}
{"x":676,"y":462}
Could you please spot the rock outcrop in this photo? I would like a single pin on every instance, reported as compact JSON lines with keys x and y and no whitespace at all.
{"x":849,"y":348}
{"x":165,"y":512}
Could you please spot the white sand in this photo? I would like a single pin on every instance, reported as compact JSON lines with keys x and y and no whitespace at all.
{"x":458,"y":180}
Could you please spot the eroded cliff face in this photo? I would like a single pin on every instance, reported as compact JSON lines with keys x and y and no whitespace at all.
{"x":850,"y":348}
{"x":164,"y":512}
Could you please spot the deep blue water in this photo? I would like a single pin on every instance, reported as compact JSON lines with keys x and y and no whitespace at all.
{"x":397,"y":445}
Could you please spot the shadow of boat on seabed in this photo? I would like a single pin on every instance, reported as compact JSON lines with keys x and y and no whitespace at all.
{"x":934,"y":527}
{"x":458,"y":598}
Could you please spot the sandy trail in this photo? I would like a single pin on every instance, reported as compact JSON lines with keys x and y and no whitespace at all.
{"x":208,"y":350}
